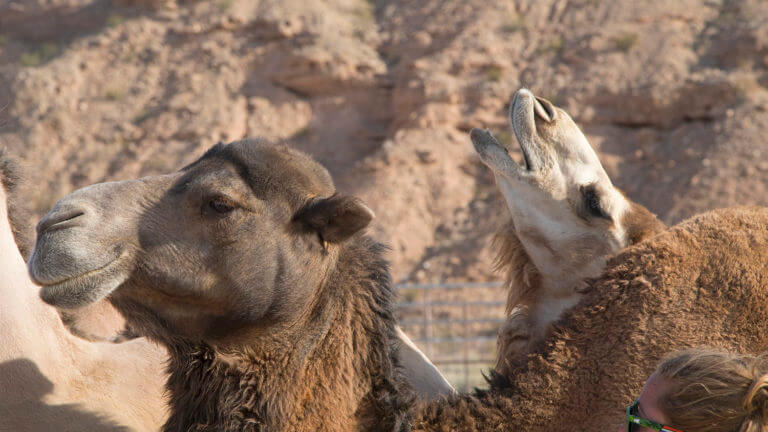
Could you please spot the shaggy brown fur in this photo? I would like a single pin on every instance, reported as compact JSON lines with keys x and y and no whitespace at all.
{"x":335,"y":372}
{"x":640,"y":224}
{"x":523,"y":279}
{"x":335,"y":369}
{"x":703,"y":282}
{"x":521,"y":275}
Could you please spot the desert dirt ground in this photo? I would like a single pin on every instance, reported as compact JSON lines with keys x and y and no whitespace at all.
{"x":383,"y":92}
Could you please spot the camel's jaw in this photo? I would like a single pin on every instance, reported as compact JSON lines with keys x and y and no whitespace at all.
{"x":63,"y":289}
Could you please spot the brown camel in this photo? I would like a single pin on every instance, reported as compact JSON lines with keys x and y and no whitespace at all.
{"x":567,"y":219}
{"x":703,"y":282}
{"x":52,"y":380}
{"x":294,"y":367}
{"x":248,"y":266}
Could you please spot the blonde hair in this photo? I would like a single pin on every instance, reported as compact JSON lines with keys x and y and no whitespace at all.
{"x":715,"y":391}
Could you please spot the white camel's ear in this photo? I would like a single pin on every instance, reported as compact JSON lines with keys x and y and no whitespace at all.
{"x":335,"y":218}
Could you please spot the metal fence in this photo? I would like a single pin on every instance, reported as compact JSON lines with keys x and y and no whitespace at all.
{"x":455,"y":325}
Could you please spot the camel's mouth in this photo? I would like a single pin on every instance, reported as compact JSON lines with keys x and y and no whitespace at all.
{"x":82,"y":289}
{"x":523,"y":113}
{"x":528,"y":116}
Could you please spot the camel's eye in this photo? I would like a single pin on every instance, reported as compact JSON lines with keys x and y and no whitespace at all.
{"x":592,"y":202}
{"x":220,"y":206}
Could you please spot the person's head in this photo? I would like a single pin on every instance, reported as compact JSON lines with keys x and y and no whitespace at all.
{"x":700,"y":390}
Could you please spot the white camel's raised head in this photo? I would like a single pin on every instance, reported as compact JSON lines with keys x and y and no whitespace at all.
{"x":567,"y":218}
{"x":566,"y":211}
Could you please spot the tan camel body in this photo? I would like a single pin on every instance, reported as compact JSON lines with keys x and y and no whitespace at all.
{"x":52,"y":380}
{"x":567,"y":219}
{"x":703,"y":282}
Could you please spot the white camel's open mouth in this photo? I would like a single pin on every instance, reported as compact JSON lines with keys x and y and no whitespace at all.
{"x":524,"y":124}
{"x":526,"y":113}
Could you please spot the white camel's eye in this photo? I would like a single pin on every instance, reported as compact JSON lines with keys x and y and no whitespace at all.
{"x":592,"y":202}
{"x":220,"y":206}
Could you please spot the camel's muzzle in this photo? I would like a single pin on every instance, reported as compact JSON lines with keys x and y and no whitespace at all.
{"x":523,"y":113}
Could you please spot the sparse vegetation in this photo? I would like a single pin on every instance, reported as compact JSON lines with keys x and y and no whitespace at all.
{"x":553,"y":46}
{"x":746,"y":85}
{"x":113,"y":95}
{"x":224,"y":5}
{"x":744,"y":64}
{"x":727,"y":17}
{"x":143,"y":115}
{"x":493,"y":72}
{"x":3,"y":40}
{"x":29,"y":59}
{"x":115,"y":20}
{"x":39,"y":55}
{"x":130,"y":56}
{"x":514,"y":25}
{"x":365,"y":19}
{"x":625,"y":41}
{"x":122,"y":143}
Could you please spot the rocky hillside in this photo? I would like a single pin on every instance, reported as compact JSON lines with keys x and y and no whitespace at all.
{"x":673,"y":95}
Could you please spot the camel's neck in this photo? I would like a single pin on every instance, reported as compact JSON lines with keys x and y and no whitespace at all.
{"x":334,"y":372}
{"x":532,"y":273}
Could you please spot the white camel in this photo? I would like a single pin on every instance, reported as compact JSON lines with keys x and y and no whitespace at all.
{"x":567,"y":218}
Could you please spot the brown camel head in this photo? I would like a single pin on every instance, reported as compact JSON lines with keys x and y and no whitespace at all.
{"x":233,"y":244}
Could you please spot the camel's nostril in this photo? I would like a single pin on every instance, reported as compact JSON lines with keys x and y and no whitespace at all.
{"x":59,"y":220}
{"x":544,"y":109}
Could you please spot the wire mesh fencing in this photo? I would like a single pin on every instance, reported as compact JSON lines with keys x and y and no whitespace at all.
{"x":455,"y":325}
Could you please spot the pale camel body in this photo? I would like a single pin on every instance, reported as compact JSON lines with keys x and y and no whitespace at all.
{"x":703,"y":282}
{"x":567,"y":218}
{"x":52,"y":380}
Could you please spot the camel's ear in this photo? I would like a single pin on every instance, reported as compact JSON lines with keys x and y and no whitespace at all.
{"x":335,"y":218}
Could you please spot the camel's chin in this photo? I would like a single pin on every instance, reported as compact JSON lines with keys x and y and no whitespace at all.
{"x":86,"y":288}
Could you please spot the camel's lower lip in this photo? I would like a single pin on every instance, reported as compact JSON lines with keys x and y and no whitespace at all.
{"x":86,"y":288}
{"x":81,"y":276}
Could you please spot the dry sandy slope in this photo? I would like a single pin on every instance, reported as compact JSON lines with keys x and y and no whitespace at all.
{"x":383,"y":92}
